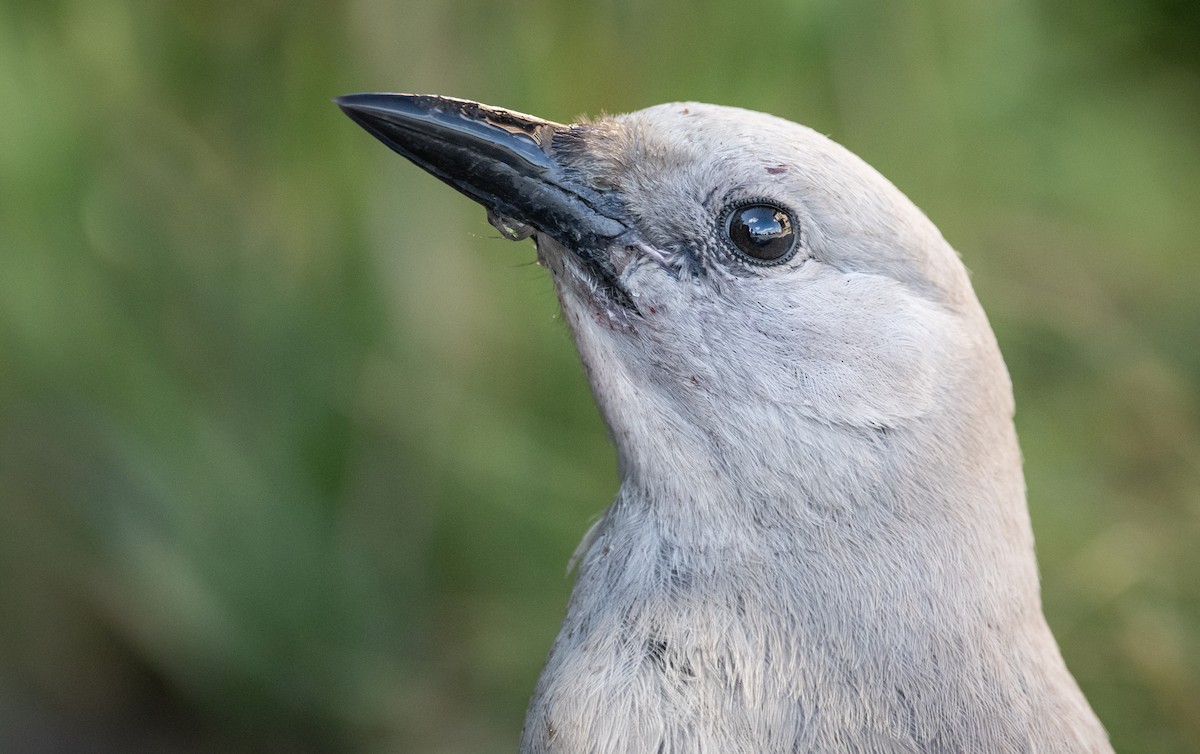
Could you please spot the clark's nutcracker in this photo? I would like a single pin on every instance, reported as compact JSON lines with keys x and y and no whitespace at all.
{"x":820,"y":542}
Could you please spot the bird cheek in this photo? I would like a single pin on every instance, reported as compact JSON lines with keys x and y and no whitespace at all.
{"x":659,"y":306}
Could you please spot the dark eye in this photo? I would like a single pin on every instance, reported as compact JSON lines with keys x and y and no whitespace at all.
{"x":764,"y":233}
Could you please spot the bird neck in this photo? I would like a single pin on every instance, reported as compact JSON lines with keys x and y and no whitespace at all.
{"x":819,"y":501}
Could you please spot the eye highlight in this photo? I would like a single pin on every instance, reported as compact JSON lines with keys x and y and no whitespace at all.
{"x":762,"y":233}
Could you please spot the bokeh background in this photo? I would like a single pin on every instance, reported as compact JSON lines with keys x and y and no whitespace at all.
{"x":294,"y":448}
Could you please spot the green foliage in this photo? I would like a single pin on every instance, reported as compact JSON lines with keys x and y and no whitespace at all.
{"x":294,"y":451}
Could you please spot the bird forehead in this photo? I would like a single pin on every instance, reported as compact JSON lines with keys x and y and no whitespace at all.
{"x":709,"y":153}
{"x":713,"y":133}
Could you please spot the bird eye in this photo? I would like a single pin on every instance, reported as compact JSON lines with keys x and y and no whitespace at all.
{"x":763,"y":233}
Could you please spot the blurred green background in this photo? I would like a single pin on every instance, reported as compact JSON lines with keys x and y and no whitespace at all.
{"x":294,"y":448}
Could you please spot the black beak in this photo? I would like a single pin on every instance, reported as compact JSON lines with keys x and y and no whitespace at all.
{"x":498,"y":157}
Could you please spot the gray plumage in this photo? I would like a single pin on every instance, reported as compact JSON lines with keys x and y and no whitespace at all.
{"x":820,"y":542}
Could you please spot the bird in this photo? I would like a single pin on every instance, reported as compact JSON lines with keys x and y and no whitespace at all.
{"x":820,"y":541}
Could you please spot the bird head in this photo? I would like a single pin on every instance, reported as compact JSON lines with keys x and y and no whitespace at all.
{"x":734,"y":282}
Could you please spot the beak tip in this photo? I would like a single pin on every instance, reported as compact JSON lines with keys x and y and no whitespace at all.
{"x":380,"y":101}
{"x":362,"y":101}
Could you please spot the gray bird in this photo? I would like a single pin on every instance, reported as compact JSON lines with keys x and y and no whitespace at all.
{"x":820,"y":542}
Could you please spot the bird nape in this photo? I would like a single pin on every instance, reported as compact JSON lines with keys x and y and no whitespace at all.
{"x":820,"y":541}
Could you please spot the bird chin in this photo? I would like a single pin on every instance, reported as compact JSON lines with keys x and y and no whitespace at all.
{"x":586,"y":287}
